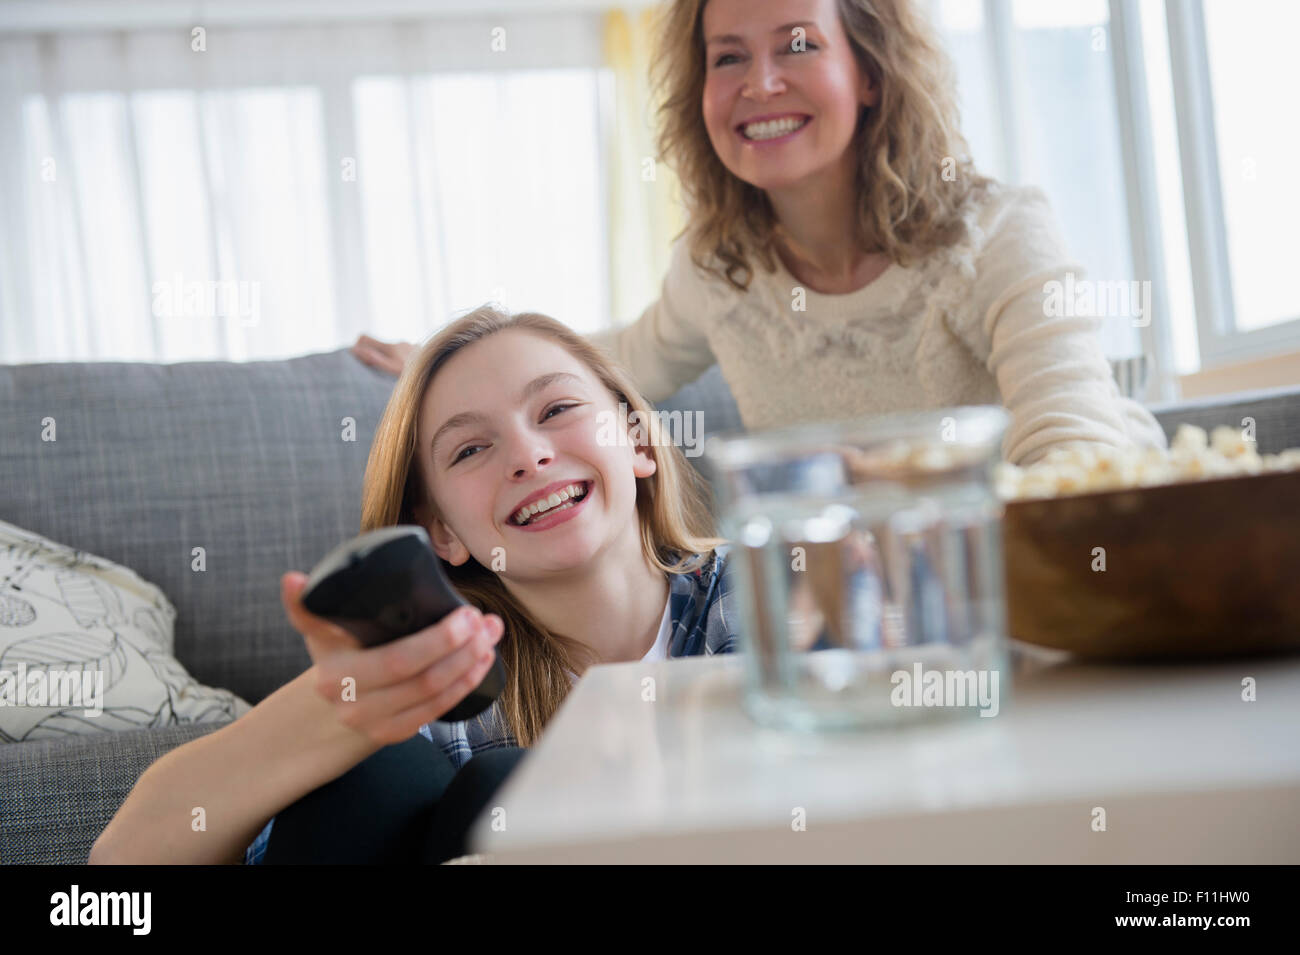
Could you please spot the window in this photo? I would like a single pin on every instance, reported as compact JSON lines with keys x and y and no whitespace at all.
{"x":1254,"y":78}
{"x":1161,"y":133}
{"x":478,"y":187}
{"x":289,"y":187}
{"x":1038,"y":98}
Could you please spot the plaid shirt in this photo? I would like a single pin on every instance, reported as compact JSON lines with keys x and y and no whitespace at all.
{"x":704,"y":622}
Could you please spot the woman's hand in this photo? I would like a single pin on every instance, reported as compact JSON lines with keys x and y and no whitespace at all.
{"x":401,"y":685}
{"x":386,"y":356}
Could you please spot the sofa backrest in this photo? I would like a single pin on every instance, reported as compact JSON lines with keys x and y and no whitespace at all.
{"x":246,"y":460}
{"x":1274,"y":411}
{"x":710,"y":397}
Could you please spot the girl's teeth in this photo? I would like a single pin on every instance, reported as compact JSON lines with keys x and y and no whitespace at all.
{"x":563,"y":507}
{"x":560,"y":497}
{"x":773,"y":128}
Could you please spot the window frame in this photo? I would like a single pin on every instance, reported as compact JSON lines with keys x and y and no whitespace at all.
{"x":1142,"y":200}
{"x":1220,"y":340}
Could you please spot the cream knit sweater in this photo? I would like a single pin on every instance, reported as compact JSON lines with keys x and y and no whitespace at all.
{"x":965,"y":326}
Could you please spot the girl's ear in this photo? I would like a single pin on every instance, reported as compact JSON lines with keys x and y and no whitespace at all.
{"x":643,"y":461}
{"x":445,"y":542}
{"x":639,"y":434}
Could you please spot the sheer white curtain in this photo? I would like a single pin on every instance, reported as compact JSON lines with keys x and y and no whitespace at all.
{"x":243,"y":194}
{"x":1038,"y":107}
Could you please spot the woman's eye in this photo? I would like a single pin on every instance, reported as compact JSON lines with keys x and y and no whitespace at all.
{"x":807,"y":45}
{"x":722,"y":60}
{"x":556,"y":408}
{"x":461,"y":455}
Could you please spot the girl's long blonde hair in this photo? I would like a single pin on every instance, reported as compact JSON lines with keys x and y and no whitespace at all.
{"x":914,"y":173}
{"x":673,"y":509}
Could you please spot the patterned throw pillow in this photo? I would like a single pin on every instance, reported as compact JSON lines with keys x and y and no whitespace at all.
{"x":86,"y":647}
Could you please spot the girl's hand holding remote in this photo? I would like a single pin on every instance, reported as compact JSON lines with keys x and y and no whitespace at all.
{"x":397,"y":687}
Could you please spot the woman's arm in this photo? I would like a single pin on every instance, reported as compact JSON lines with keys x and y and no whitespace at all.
{"x":1051,"y":371}
{"x":300,"y":737}
{"x":1057,"y":383}
{"x":668,"y":347}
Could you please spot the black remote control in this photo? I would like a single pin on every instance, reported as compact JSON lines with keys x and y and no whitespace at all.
{"x":388,"y":583}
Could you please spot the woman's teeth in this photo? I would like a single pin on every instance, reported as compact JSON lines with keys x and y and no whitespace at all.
{"x":773,"y":128}
{"x":559,"y":500}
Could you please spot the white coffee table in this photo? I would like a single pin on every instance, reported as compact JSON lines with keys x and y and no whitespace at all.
{"x":1185,"y":771}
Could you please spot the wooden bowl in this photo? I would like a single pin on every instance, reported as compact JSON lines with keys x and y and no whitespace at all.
{"x":1200,"y":569}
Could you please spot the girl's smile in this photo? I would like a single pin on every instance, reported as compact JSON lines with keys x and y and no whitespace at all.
{"x":555,"y":504}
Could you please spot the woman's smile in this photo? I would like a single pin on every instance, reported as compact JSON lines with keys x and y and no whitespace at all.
{"x":772,"y":129}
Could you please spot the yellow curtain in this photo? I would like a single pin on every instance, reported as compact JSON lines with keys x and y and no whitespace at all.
{"x":645,"y":210}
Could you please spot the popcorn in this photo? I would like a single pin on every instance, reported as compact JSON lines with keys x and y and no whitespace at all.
{"x":932,"y":458}
{"x":1071,"y":479}
{"x":1192,"y":456}
{"x":905,"y":457}
{"x":1007,"y":478}
{"x":1230,"y":443}
{"x":1188,"y":437}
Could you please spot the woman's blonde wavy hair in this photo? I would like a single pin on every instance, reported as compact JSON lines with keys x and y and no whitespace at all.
{"x":673,"y":509}
{"x":907,"y":208}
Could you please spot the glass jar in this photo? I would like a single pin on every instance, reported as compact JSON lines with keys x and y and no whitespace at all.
{"x":867,"y":558}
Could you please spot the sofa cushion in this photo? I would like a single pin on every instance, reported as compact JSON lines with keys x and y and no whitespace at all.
{"x":86,"y":647}
{"x":210,"y":479}
{"x":58,"y":795}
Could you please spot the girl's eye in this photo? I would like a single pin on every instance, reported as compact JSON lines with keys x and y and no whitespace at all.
{"x":462,"y":455}
{"x":808,"y":45}
{"x":722,"y":60}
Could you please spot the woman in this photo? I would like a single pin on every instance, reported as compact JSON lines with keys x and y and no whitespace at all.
{"x":842,"y":254}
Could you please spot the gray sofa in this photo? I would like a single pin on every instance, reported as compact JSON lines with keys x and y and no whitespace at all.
{"x":248,"y":461}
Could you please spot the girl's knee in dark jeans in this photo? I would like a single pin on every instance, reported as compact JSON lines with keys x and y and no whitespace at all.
{"x":466,"y":797}
{"x":405,"y":804}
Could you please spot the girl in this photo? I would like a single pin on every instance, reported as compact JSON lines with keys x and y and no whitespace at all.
{"x":573,"y":549}
{"x":842,"y":255}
